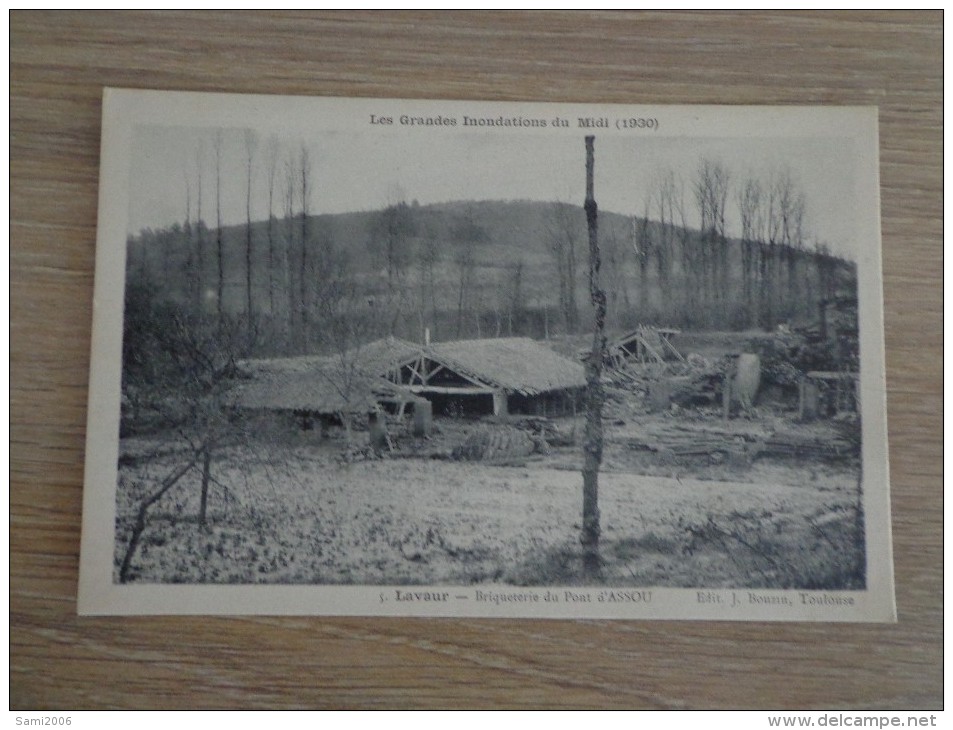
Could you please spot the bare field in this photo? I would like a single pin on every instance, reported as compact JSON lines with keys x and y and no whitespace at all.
{"x":297,"y":514}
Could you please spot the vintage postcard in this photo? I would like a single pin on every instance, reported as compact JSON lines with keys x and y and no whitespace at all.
{"x":460,"y":358}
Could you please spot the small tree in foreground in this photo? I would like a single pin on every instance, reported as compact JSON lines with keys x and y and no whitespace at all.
{"x":179,"y":368}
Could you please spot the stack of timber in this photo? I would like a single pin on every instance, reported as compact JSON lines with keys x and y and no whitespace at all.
{"x":686,"y":441}
{"x":539,"y":427}
{"x":808,"y":447}
{"x":498,"y":445}
{"x":682,"y":441}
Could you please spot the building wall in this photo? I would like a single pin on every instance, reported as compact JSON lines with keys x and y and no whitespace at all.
{"x":554,"y":403}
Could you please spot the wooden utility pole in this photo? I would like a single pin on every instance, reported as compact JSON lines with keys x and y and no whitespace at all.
{"x":595,"y":395}
{"x":219,"y":244}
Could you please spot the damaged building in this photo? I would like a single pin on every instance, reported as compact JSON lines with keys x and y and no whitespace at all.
{"x":489,"y":377}
{"x":461,"y":378}
{"x":643,"y":345}
{"x":315,"y":391}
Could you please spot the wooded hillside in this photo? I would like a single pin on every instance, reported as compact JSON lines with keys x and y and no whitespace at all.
{"x":300,"y":283}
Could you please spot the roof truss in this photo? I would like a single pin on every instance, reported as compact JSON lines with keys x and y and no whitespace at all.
{"x":418,"y":373}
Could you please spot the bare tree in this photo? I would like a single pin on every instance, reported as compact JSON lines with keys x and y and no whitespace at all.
{"x":183,"y":365}
{"x":140,"y":523}
{"x":826,"y":275}
{"x":711,"y":193}
{"x":304,"y":172}
{"x":250,"y":144}
{"x":785,"y":224}
{"x":750,"y":205}
{"x":219,"y":243}
{"x":346,"y":325}
{"x":392,"y":232}
{"x":476,"y":310}
{"x":272,"y":172}
{"x":562,"y":234}
{"x":465,"y":261}
{"x":673,"y":242}
{"x":617,"y":248}
{"x":516,"y":304}
{"x":796,"y":248}
{"x":192,"y":278}
{"x":290,"y":179}
{"x":200,"y":229}
{"x":711,"y":188}
{"x":428,"y":258}
{"x":643,"y":246}
{"x":390,"y":236}
{"x":467,"y":235}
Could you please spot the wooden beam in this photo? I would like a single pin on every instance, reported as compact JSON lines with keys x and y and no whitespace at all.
{"x":435,"y":371}
{"x":415,"y":371}
{"x":462,"y":375}
{"x":499,"y":403}
{"x":444,"y":390}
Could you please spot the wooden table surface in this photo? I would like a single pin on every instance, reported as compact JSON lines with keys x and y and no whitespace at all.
{"x":59,"y":64}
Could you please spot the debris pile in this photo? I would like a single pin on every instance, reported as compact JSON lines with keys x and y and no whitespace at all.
{"x":541,"y":428}
{"x":741,"y":444}
{"x":683,"y":441}
{"x":353,"y":453}
{"x":808,"y":447}
{"x":695,"y":381}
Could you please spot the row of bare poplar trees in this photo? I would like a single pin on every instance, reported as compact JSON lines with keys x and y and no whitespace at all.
{"x":300,"y":271}
{"x":678,"y":263}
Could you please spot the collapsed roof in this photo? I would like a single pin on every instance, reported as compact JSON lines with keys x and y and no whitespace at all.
{"x":313,"y":385}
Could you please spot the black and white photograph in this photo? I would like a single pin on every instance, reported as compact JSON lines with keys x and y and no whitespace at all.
{"x":391,"y":357}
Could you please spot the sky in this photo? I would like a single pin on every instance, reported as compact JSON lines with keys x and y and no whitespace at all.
{"x":369,"y":169}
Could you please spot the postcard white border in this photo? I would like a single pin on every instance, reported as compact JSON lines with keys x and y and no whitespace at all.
{"x":99,"y":595}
